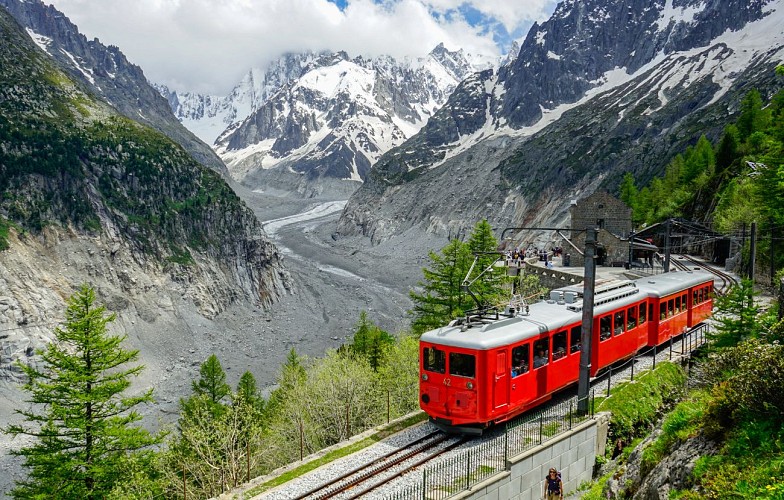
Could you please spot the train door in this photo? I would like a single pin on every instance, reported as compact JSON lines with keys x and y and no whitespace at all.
{"x":501,"y":381}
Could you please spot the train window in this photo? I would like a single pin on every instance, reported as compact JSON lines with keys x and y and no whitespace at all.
{"x":462,"y":365}
{"x":670,"y":307}
{"x":559,"y":345}
{"x":520,"y":359}
{"x":684,"y":301}
{"x":575,"y":342}
{"x":541,"y":352}
{"x":677,"y":304}
{"x":620,"y":322}
{"x":631,"y":317}
{"x":663,"y":310}
{"x":434,"y":360}
{"x":605,"y":327}
{"x":643,"y":319}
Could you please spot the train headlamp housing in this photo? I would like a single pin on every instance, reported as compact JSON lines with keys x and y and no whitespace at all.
{"x":424,"y":377}
{"x":470,"y":385}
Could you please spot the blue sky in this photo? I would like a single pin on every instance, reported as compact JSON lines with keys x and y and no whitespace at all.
{"x":208,"y":45}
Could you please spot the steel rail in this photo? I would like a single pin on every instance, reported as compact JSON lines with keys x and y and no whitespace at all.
{"x":364,"y":472}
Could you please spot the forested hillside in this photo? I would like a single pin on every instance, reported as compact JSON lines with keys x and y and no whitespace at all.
{"x":727,"y":184}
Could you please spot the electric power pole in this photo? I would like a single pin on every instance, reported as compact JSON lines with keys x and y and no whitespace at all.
{"x":667,"y":246}
{"x":583,"y":384}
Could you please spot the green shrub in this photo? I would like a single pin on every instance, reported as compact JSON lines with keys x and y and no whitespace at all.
{"x":682,"y":423}
{"x":636,"y":406}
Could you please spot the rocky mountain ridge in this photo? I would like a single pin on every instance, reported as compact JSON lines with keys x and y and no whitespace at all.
{"x":599,"y":89}
{"x":107,"y":73}
{"x":87,"y":195}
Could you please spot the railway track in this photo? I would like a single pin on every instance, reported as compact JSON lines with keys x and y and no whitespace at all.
{"x":727,"y":280}
{"x":366,"y":478}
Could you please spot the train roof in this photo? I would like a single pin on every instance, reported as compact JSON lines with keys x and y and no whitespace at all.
{"x":562,"y":309}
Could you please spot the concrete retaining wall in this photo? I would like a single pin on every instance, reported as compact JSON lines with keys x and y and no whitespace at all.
{"x":573,"y":453}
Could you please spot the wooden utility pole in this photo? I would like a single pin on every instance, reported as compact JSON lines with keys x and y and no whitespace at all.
{"x":589,"y":282}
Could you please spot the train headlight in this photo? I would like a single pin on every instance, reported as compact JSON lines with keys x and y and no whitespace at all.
{"x":470,"y":385}
{"x":424,"y":377}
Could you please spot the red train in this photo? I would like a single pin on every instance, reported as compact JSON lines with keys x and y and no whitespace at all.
{"x":482,"y":371}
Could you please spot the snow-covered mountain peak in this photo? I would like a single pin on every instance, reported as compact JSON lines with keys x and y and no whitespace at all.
{"x":343,"y":76}
{"x":326,"y":114}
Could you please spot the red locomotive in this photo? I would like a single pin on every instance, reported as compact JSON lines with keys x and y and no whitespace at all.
{"x":479,"y":371}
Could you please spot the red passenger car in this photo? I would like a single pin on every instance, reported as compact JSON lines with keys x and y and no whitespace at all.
{"x":478,"y":371}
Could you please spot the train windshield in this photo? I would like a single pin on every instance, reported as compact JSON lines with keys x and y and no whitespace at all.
{"x":434,"y":360}
{"x":462,"y":365}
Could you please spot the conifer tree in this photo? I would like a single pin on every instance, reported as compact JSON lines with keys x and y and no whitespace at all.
{"x":442,"y":298}
{"x":212,"y":380}
{"x":488,"y":280}
{"x":370,"y":341}
{"x":81,"y":420}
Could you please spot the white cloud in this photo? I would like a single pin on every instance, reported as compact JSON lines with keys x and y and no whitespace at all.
{"x":207,"y":45}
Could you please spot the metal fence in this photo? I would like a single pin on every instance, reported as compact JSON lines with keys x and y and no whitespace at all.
{"x":462,"y":470}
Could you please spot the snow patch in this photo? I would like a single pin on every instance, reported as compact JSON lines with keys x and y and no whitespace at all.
{"x":685,"y":14}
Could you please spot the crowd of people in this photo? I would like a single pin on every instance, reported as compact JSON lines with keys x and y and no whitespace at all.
{"x":517,"y":255}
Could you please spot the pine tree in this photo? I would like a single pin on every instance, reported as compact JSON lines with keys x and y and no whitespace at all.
{"x":369,"y":341}
{"x":488,"y":280}
{"x":81,"y":419}
{"x":212,"y":381}
{"x":442,"y":299}
{"x":737,"y":316}
{"x":629,"y":195}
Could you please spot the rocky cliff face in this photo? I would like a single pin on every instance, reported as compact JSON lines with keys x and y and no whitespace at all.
{"x":106,"y":73}
{"x":601,"y":88}
{"x":87,"y":195}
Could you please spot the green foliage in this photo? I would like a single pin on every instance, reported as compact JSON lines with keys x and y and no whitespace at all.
{"x":4,"y":227}
{"x":750,"y":379}
{"x":181,"y":256}
{"x":399,"y":375}
{"x":749,"y":465}
{"x":370,"y":341}
{"x":220,"y":435}
{"x":443,"y":297}
{"x":737,"y":315}
{"x":487,"y":279}
{"x":212,"y":381}
{"x":80,"y":419}
{"x":341,"y":398}
{"x":735,"y":182}
{"x":58,"y":169}
{"x":752,"y":117}
{"x":635,"y":406}
{"x":629,"y":194}
{"x":679,"y":425}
